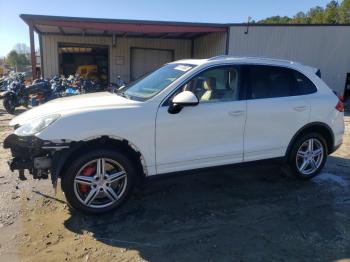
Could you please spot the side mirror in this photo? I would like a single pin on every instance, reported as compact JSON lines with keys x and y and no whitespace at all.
{"x":185,"y":98}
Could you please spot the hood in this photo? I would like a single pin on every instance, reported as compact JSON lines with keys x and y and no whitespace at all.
{"x":93,"y":101}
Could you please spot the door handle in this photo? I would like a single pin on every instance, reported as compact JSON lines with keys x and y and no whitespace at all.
{"x":236,"y":113}
{"x":300,"y":108}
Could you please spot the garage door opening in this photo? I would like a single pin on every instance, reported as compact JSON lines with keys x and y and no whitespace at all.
{"x":145,"y":60}
{"x":86,"y":60}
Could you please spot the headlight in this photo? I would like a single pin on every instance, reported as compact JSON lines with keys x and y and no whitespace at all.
{"x":36,"y":125}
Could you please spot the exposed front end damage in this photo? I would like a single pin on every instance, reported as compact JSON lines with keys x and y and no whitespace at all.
{"x":32,"y":154}
{"x":43,"y":158}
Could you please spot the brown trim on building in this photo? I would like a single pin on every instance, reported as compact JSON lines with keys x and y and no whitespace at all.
{"x":32,"y":50}
{"x":41,"y":55}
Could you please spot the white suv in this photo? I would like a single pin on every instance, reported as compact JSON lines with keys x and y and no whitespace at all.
{"x":186,"y":115}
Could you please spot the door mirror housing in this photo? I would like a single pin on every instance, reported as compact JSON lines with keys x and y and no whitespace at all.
{"x":185,"y":98}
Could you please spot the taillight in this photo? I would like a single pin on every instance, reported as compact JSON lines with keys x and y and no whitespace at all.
{"x":340,"y":105}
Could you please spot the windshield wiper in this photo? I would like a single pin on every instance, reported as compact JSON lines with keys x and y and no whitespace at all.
{"x":123,"y":95}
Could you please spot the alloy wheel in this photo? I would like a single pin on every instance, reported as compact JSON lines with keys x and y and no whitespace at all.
{"x":100,"y":183}
{"x":309,"y":156}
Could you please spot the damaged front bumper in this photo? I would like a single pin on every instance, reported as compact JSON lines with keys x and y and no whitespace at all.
{"x":32,"y":154}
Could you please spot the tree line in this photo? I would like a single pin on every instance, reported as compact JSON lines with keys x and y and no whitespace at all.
{"x":333,"y":13}
{"x":18,"y":57}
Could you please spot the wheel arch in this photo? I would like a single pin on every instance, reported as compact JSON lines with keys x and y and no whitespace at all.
{"x":314,"y":127}
{"x":61,"y":159}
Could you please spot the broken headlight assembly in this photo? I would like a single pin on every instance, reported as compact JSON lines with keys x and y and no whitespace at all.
{"x":35,"y":126}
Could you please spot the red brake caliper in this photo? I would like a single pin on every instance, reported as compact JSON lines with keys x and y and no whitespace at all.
{"x":87,"y":171}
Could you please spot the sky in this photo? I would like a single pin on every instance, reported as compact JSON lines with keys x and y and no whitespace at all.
{"x":13,"y":30}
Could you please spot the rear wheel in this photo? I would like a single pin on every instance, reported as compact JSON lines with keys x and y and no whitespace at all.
{"x":99,"y":181}
{"x":308,"y":156}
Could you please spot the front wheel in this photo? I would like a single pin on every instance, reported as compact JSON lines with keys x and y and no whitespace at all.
{"x":9,"y":103}
{"x":99,"y":181}
{"x":308,"y":156}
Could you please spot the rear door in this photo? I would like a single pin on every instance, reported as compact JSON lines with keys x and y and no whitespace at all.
{"x":145,"y":60}
{"x":276,"y":109}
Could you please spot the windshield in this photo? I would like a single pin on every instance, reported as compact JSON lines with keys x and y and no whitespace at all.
{"x":153,"y":83}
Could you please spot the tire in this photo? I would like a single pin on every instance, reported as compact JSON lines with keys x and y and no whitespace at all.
{"x":76,"y":179}
{"x":9,"y":103}
{"x":299,"y":154}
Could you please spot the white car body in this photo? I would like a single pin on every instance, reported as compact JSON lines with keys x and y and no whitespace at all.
{"x":209,"y":134}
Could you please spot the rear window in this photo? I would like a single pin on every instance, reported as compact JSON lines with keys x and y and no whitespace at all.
{"x":272,"y":81}
{"x":303,"y":85}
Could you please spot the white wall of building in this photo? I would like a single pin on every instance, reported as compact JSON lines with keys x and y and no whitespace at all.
{"x":323,"y":47}
{"x":119,"y":62}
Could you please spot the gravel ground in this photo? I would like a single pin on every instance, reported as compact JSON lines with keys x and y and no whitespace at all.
{"x":226,"y":214}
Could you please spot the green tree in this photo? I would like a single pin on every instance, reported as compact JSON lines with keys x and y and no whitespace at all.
{"x":331,"y":13}
{"x":316,"y":15}
{"x":276,"y":20}
{"x":16,"y":60}
{"x":300,"y":18}
{"x":344,"y":12}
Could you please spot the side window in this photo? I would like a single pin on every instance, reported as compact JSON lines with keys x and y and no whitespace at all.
{"x":270,"y":82}
{"x":215,"y":85}
{"x":303,"y":85}
{"x":273,"y":81}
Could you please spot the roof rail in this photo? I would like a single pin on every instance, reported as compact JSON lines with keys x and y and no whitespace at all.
{"x":218,"y":57}
{"x":273,"y":59}
{"x":251,"y":57}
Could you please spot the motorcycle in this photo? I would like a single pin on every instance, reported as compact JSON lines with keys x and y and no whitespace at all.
{"x":58,"y":87}
{"x":90,"y":86}
{"x":41,"y":90}
{"x":117,"y":87}
{"x":15,"y":95}
{"x":18,"y":94}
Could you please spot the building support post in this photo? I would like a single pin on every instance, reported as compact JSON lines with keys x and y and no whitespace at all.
{"x":32,"y":50}
{"x":228,"y":33}
{"x":192,"y":48}
{"x":42,"y":73}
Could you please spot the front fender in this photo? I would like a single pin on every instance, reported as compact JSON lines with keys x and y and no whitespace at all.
{"x":3,"y":94}
{"x":135,"y":125}
{"x":7,"y":94}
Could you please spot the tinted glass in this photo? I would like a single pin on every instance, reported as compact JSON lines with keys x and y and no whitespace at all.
{"x":270,"y":82}
{"x":304,"y":85}
{"x":215,"y":85}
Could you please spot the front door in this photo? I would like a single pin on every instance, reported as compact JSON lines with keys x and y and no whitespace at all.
{"x":208,"y":134}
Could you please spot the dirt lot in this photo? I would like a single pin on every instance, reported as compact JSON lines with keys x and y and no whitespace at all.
{"x":236,"y":214}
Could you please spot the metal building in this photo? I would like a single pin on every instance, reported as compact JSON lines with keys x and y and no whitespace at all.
{"x":131,"y":48}
{"x":326,"y":47}
{"x":120,"y":47}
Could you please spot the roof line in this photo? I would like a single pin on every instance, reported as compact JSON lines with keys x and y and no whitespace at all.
{"x":265,"y":24}
{"x":30,"y":17}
